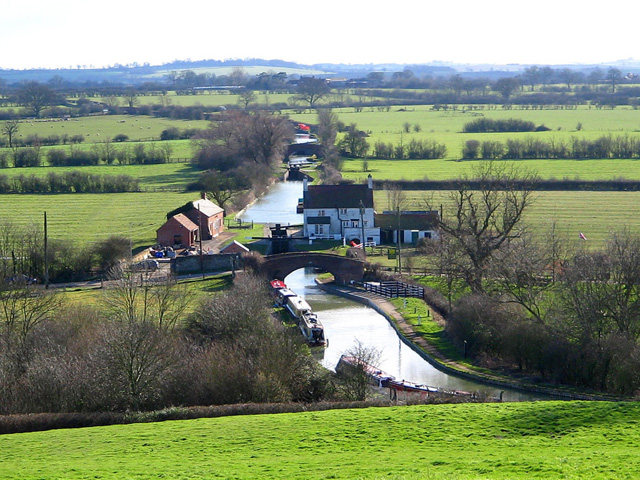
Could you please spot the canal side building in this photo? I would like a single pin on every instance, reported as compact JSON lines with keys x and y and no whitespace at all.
{"x":340,"y":212}
{"x":411,"y":226}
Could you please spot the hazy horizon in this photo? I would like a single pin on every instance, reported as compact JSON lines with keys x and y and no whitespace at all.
{"x":66,"y":34}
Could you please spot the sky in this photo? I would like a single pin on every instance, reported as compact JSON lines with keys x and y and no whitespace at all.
{"x":69,"y":33}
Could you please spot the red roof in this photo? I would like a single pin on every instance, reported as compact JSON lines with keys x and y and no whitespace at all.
{"x":182,"y":219}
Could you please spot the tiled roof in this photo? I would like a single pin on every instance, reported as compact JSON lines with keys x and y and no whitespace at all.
{"x":184,"y":221}
{"x":207,"y":207}
{"x":234,"y":247}
{"x":408,"y":221}
{"x":338,"y":196}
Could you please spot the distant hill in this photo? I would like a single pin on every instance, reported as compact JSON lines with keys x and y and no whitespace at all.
{"x":136,"y":74}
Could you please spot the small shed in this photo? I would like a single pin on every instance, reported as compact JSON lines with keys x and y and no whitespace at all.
{"x":234,"y":248}
{"x":179,"y":230}
{"x":410,"y":225}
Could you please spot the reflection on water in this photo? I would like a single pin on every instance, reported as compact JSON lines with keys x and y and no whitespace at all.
{"x":278,"y":205}
{"x":346,"y":321}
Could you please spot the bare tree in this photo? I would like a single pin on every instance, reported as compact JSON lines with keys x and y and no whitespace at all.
{"x":356,"y":378}
{"x":522,"y":273}
{"x":614,"y":76}
{"x":246,"y":97}
{"x":35,"y":96}
{"x":10,"y":129}
{"x":602,"y":288}
{"x":256,"y":138}
{"x":138,"y":338}
{"x":484,"y":214}
{"x":23,"y":306}
{"x":311,"y":90}
{"x":327,"y":133}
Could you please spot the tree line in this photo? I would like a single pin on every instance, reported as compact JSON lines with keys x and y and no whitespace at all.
{"x":603,"y":147}
{"x":68,"y":182}
{"x":22,"y":255}
{"x":414,"y":149}
{"x":100,"y":153}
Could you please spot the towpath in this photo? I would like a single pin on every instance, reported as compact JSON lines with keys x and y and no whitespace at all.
{"x":434,"y":356}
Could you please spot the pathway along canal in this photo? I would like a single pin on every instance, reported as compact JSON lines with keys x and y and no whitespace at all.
{"x":346,"y":321}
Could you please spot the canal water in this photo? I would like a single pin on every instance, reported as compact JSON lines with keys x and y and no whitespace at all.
{"x":346,"y":321}
{"x":278,"y":205}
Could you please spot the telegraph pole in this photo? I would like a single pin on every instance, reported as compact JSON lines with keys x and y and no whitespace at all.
{"x":364,"y":250}
{"x":46,"y":254}
{"x":200,"y":241}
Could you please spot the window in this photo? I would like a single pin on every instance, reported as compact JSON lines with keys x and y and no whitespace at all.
{"x":319,"y":229}
{"x":343,"y":211}
{"x":321,"y":213}
{"x":355,"y":223}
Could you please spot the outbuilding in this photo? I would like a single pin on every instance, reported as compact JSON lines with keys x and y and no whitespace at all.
{"x":207,"y":214}
{"x":178,"y":231}
{"x":410,"y":225}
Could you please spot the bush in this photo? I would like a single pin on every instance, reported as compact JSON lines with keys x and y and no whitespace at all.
{"x":171,"y":133}
{"x":485,"y":125}
{"x":471,"y":150}
{"x":121,"y":137}
{"x":57,"y":157}
{"x":26,"y":157}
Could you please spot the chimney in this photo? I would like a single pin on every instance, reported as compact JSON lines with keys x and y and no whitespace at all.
{"x":203,"y":195}
{"x":370,"y":182}
{"x":305,"y":184}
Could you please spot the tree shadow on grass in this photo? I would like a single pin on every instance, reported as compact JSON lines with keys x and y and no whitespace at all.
{"x":558,"y":418}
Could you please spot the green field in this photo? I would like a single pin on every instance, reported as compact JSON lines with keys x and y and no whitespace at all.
{"x":92,"y":217}
{"x":99,"y":127}
{"x":446,"y":127}
{"x":542,"y":440}
{"x":595,"y":214}
{"x":441,"y":169}
{"x":171,"y":176}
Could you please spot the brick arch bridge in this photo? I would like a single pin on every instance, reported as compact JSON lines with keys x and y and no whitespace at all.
{"x":343,"y":269}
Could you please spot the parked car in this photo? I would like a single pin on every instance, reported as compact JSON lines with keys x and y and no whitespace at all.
{"x":147,"y":265}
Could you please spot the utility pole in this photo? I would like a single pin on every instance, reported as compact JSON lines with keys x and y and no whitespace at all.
{"x":364,"y":250}
{"x":200,"y":241}
{"x":46,"y":254}
{"x":399,"y":241}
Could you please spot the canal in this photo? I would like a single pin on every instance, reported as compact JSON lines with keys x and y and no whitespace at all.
{"x":346,"y":321}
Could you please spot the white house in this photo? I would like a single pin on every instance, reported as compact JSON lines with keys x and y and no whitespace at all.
{"x":340,"y":212}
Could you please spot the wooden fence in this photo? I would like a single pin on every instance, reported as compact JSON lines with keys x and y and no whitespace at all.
{"x":394,"y":289}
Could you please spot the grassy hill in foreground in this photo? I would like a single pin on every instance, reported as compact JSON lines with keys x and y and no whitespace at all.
{"x":572,"y":440}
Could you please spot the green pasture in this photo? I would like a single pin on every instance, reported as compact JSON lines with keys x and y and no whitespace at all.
{"x":441,"y":169}
{"x":207,"y":98}
{"x":89,"y":217}
{"x":539,"y":440}
{"x":595,"y":214}
{"x":445,"y":127}
{"x":168,"y":176}
{"x":99,"y":127}
{"x":181,"y":150}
